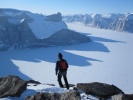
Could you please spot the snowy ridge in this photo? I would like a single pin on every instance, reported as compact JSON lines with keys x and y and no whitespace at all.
{"x":38,"y":23}
{"x":43,"y":28}
{"x":12,"y":12}
{"x":106,"y":15}
{"x":111,"y":21}
{"x":129,"y":16}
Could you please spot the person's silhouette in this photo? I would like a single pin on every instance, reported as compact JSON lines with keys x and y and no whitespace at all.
{"x":61,"y":70}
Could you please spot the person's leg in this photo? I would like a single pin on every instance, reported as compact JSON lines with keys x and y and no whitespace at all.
{"x":59,"y":80}
{"x":66,"y":82}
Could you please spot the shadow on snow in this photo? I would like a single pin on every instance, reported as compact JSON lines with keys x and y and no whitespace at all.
{"x":50,"y":55}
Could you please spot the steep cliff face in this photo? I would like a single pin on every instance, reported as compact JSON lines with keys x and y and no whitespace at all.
{"x":119,"y":22}
{"x":23,"y":29}
{"x":15,"y":36}
{"x":124,"y":23}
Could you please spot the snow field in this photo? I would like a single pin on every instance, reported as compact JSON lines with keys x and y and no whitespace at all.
{"x":108,"y":59}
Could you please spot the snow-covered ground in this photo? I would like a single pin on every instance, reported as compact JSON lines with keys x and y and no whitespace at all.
{"x":108,"y":59}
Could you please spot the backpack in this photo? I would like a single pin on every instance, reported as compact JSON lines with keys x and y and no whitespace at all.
{"x":63,"y":65}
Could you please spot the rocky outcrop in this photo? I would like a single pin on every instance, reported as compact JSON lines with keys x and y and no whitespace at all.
{"x":55,"y":17}
{"x":124,"y":23}
{"x":12,"y":86}
{"x":99,"y":89}
{"x":122,"y":97}
{"x":72,"y":95}
{"x":44,"y":96}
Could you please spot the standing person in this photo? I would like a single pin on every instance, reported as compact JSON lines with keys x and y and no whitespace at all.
{"x":61,"y":70}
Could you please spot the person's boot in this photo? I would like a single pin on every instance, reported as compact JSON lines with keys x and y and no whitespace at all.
{"x":68,"y":88}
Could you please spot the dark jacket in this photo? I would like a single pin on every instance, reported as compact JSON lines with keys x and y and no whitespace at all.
{"x":58,"y":66}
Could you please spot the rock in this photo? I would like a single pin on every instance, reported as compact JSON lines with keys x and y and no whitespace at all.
{"x":12,"y":86}
{"x":55,"y":17}
{"x":72,"y":95}
{"x":33,"y":82}
{"x":45,"y":96}
{"x":99,"y":89}
{"x":122,"y":97}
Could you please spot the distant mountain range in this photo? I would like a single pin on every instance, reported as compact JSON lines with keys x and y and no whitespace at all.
{"x":119,"y":22}
{"x":23,"y":29}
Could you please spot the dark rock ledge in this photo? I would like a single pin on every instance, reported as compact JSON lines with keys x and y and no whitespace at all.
{"x":14,"y":86}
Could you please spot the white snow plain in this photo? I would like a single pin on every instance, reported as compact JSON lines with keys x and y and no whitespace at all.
{"x":107,"y":59}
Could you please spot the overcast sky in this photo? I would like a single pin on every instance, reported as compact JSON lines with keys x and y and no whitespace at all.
{"x":70,"y":6}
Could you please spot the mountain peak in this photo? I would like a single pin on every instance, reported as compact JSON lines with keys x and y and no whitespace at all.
{"x":55,"y":17}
